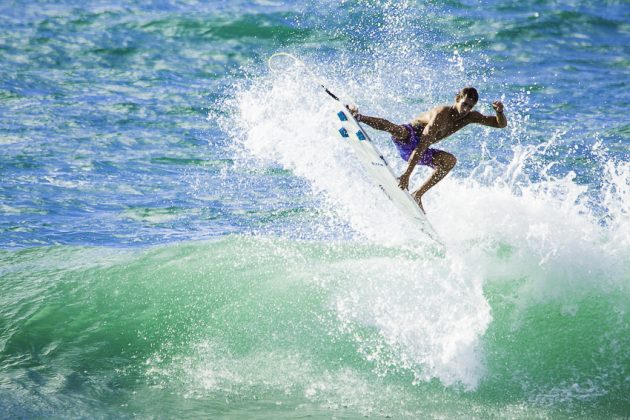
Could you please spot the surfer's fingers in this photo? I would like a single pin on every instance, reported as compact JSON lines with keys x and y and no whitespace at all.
{"x":353,"y":109}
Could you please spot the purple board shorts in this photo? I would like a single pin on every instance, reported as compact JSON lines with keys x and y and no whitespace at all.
{"x":406,"y":148}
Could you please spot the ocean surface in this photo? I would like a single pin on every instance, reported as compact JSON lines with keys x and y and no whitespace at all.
{"x":183,"y":234}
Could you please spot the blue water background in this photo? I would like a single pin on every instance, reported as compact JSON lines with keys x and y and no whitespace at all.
{"x":103,"y":107}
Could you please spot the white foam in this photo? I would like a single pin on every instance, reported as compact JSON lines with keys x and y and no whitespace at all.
{"x":431,"y":313}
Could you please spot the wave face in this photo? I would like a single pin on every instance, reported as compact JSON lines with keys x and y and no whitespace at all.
{"x":184,"y":234}
{"x":258,"y":325}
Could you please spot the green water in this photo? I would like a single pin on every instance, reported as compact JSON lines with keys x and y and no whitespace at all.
{"x":247,"y":327}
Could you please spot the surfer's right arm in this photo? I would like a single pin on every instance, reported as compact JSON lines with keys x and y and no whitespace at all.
{"x":398,"y":131}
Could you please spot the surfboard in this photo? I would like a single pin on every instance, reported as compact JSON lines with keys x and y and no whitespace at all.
{"x":377,"y":167}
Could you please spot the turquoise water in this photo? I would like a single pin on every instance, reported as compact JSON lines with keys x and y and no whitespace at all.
{"x":182,"y":233}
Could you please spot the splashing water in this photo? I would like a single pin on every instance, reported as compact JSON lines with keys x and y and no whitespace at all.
{"x":309,"y":295}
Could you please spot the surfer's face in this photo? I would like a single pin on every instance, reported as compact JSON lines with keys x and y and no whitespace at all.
{"x":464,"y":104}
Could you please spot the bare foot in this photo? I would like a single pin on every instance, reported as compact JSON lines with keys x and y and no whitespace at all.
{"x":419,"y":202}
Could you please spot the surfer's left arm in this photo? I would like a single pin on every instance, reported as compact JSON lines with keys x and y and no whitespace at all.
{"x":498,"y":121}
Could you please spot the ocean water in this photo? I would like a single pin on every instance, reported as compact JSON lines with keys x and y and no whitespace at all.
{"x":184,"y":235}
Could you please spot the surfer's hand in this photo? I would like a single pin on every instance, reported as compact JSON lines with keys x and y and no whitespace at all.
{"x":353,"y":110}
{"x":403,"y":182}
{"x":498,"y":106}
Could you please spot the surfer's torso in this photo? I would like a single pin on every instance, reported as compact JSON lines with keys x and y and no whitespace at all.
{"x":450,"y":122}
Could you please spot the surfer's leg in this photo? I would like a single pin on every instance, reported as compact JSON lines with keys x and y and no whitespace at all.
{"x":397,"y":131}
{"x":443,"y":162}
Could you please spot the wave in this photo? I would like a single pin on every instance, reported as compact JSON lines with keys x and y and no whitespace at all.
{"x":312,"y":323}
{"x":331,"y":304}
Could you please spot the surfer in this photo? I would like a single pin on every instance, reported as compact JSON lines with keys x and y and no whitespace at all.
{"x":413,"y":140}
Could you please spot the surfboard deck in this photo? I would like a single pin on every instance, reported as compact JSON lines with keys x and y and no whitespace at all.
{"x":379,"y":170}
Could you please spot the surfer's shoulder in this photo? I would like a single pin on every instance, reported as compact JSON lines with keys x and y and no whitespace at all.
{"x":439,"y":109}
{"x":441,"y":112}
{"x":438,"y":113}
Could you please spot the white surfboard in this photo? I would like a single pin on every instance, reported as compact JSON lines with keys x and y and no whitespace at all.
{"x":379,"y":170}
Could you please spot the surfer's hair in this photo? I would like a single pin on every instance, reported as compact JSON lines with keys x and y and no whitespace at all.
{"x":469,"y":92}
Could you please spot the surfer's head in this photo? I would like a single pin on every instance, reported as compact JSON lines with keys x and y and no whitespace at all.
{"x":465,"y":100}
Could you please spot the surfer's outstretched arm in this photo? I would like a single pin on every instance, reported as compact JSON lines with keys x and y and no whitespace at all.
{"x":500,"y":121}
{"x":398,"y":131}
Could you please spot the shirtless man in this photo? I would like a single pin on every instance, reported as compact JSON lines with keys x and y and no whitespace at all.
{"x":413,"y":140}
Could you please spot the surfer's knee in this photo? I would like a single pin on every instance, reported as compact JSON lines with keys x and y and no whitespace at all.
{"x":446,"y":161}
{"x":451,"y":161}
